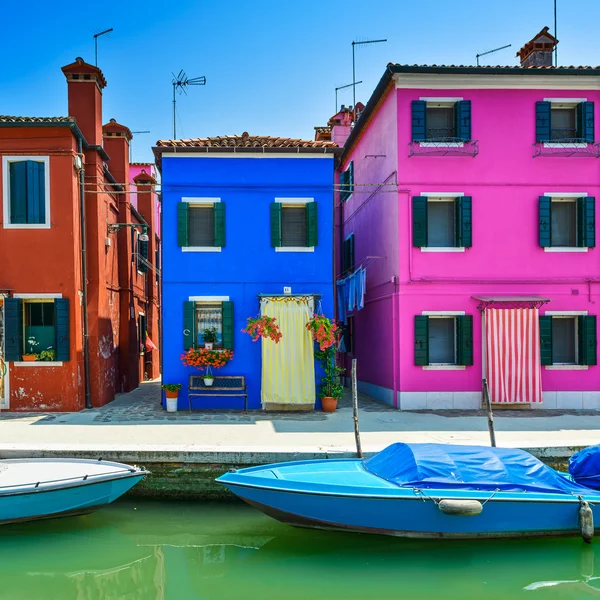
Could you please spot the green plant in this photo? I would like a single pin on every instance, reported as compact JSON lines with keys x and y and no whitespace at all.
{"x":171,"y":387}
{"x":209,"y":335}
{"x":46,"y":355}
{"x":207,"y":375}
{"x":31,"y":344}
{"x":330,"y":384}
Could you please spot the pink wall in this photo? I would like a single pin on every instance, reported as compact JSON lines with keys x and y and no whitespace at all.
{"x":134,"y":171}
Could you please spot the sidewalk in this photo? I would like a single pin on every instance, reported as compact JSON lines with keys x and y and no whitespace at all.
{"x":136,"y":424}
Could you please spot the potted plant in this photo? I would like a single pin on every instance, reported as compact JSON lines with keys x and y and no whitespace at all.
{"x":209,"y":337}
{"x":47,"y":355}
{"x":30,"y":355}
{"x":208,"y":378}
{"x":263,"y":327}
{"x":330,"y":388}
{"x":208,"y":359}
{"x":171,"y":394}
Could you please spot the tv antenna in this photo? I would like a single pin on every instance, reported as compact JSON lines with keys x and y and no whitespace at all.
{"x":180,"y":82}
{"x":490,"y":51}
{"x":353,"y":65}
{"x":96,"y":36}
{"x":131,"y":143}
{"x":343,"y":87}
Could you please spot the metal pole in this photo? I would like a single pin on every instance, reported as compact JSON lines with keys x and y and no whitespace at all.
{"x":555,"y":46}
{"x":490,"y":415}
{"x":353,"y":79}
{"x":355,"y":410}
{"x":96,"y":49}
{"x":174,"y":115}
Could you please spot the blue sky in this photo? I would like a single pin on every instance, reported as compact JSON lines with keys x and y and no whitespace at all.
{"x":271,"y":65}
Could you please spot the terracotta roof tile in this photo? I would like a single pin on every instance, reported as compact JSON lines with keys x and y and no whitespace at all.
{"x":512,"y":67}
{"x":245,"y":141}
{"x":10,"y":119}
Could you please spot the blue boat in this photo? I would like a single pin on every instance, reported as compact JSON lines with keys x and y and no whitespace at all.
{"x":32,"y":489}
{"x":424,"y":491}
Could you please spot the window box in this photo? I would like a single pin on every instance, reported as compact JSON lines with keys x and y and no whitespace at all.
{"x":442,"y":224}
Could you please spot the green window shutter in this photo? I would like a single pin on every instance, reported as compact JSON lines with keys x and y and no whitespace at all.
{"x":312,"y":224}
{"x":349,"y":253}
{"x":546,"y":340}
{"x":464,"y":339}
{"x":421,"y":341}
{"x":419,"y":210}
{"x":219,"y":224}
{"x":344,"y":180}
{"x":545,"y":221}
{"x":586,"y":222}
{"x":142,"y":250}
{"x":36,"y":204}
{"x":542,"y":121}
{"x":18,"y":192}
{"x":462,"y":112}
{"x":227,"y":308}
{"x":183,"y":224}
{"x":588,"y":340}
{"x":61,"y":329}
{"x":13,"y":329}
{"x":464,"y":221}
{"x":275,"y":224}
{"x":190,"y":335}
{"x":585,"y":121}
{"x":419,"y":120}
{"x":351,"y":177}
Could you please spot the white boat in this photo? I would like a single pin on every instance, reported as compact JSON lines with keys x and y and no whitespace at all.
{"x":43,"y":488}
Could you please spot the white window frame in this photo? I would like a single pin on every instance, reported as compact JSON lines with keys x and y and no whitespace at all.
{"x":568,"y":314}
{"x":6,"y":160}
{"x":433,"y":102}
{"x":38,"y":363}
{"x":564,"y":103}
{"x":295,"y":202}
{"x":445,"y":314}
{"x":201,"y":202}
{"x":565,"y":197}
{"x":442,"y":197}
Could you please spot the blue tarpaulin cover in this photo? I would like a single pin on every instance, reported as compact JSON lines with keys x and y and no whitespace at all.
{"x":584,"y":467}
{"x":447,"y":466}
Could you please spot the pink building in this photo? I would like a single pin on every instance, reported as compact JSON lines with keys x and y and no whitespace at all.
{"x":469,"y":196}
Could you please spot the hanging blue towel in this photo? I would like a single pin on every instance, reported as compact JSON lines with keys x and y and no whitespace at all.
{"x":361,"y":287}
{"x":342,"y":301}
{"x":351,"y":292}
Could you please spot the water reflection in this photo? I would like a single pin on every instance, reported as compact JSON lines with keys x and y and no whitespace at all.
{"x":186,"y":551}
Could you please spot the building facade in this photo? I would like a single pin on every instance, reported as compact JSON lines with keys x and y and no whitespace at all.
{"x":470,"y":196}
{"x":247,"y":229}
{"x":72,"y":283}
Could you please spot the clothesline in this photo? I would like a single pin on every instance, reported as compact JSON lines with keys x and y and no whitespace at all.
{"x":366,"y":261}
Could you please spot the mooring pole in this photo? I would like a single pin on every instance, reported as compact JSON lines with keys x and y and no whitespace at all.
{"x":355,"y":410}
{"x":490,"y":414}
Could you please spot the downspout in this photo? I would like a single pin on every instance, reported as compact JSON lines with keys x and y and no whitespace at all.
{"x":86,"y":344}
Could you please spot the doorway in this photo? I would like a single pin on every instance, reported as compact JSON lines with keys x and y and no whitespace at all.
{"x":4,"y":391}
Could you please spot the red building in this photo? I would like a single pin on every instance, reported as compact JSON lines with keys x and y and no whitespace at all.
{"x":78,"y":284}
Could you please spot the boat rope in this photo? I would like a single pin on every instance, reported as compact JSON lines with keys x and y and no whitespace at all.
{"x":493,"y":494}
{"x":436,"y":501}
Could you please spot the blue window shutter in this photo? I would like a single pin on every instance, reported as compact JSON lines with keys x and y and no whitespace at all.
{"x":419,"y":120}
{"x":61,"y":329}
{"x":276,"y":224}
{"x":228,"y":324}
{"x":545,"y":221}
{"x":542,"y":121}
{"x":13,"y":329}
{"x":464,"y":342}
{"x":588,"y":340}
{"x":36,"y":204}
{"x":419,"y":210}
{"x":182,"y":224}
{"x":189,"y":325}
{"x":18,"y":192}
{"x":219,"y":224}
{"x":464,"y":221}
{"x":463,"y":120}
{"x":585,"y":121}
{"x":421,"y":341}
{"x":545,"y":340}
{"x":312,"y":224}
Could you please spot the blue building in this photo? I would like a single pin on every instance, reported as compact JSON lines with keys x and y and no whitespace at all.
{"x":247,"y":228}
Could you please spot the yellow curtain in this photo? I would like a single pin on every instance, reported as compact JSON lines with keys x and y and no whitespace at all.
{"x":288,"y":368}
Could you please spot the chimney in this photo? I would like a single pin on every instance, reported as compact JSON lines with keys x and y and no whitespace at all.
{"x":116,"y":143}
{"x":538,"y":51}
{"x":341,"y":125}
{"x":85,"y":84}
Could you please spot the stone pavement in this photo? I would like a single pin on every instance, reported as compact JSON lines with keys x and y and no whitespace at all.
{"x":135,"y":423}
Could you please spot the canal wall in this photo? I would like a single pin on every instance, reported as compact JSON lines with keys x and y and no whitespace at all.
{"x":191,"y":475}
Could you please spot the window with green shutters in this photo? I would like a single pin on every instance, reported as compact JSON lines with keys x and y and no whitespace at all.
{"x":564,"y":121}
{"x":26,"y":192}
{"x":442,"y":222}
{"x":200,"y":315}
{"x":34,"y":325}
{"x":441,"y":121}
{"x":443,"y":340}
{"x":347,"y":182}
{"x":294,"y":225}
{"x":568,"y":340}
{"x":349,"y":261}
{"x":567,"y":222}
{"x":201,"y":224}
{"x":142,"y":255}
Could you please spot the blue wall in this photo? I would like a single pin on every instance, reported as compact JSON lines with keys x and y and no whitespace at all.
{"x":247,"y":265}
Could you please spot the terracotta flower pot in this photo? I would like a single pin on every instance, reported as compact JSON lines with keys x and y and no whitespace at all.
{"x":169,"y":394}
{"x":29,"y":357}
{"x":329,"y":404}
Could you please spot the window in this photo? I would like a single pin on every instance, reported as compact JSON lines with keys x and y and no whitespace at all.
{"x":443,"y":340}
{"x":35,"y":325}
{"x":442,"y":222}
{"x":349,"y":335}
{"x":208,"y":313}
{"x":347,"y":182}
{"x":564,"y":121}
{"x":567,"y":222}
{"x":142,"y":253}
{"x":294,"y":224}
{"x":27,"y":193}
{"x":348,"y":259}
{"x":568,"y":340}
{"x":142,"y":332}
{"x":201,"y":224}
{"x":441,"y":120}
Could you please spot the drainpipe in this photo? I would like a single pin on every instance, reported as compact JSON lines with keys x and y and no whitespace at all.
{"x":86,"y":344}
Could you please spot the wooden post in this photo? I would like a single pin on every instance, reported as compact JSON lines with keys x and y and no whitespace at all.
{"x":355,"y":410}
{"x":490,"y":415}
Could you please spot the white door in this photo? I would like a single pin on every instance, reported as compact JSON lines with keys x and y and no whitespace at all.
{"x":3,"y":365}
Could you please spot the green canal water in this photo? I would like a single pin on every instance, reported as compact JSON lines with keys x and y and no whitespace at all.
{"x":187,"y":551}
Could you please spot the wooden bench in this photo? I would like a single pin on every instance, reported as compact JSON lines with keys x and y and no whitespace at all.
{"x":225,"y":386}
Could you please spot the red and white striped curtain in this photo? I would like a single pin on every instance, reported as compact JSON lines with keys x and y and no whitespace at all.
{"x":513,"y":355}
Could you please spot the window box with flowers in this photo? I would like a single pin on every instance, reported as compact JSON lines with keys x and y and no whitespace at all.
{"x":204,"y":358}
